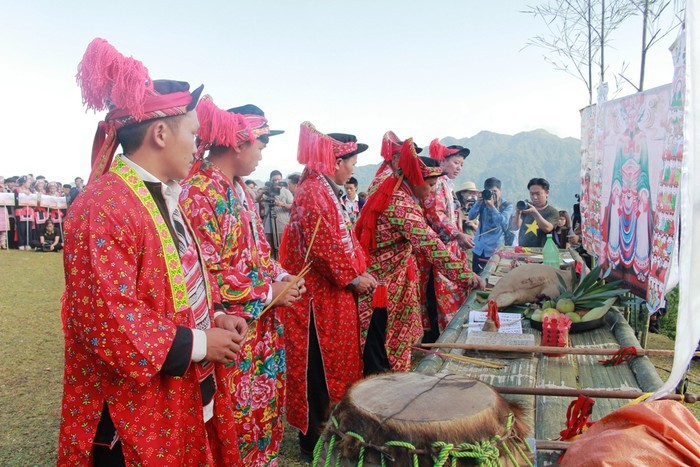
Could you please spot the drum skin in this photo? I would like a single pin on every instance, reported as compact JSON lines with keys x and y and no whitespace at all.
{"x":420,"y":410}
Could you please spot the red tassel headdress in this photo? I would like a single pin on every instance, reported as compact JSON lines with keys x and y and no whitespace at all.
{"x":440,"y":152}
{"x":218,"y":127}
{"x":410,"y":168}
{"x":318,"y":151}
{"x":391,"y":145}
{"x":109,"y":80}
{"x":410,"y":164}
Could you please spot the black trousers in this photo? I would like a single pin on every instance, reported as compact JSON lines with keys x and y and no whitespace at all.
{"x":432,"y":334}
{"x":375,"y":360}
{"x":316,"y":393}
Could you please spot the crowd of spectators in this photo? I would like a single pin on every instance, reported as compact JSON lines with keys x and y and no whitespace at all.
{"x":32,"y":210}
{"x":492,"y":221}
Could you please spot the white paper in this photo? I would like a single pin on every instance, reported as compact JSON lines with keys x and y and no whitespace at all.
{"x":511,"y":323}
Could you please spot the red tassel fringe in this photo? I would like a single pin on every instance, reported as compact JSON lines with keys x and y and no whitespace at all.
{"x":217,"y":126}
{"x":106,"y":77}
{"x":391,"y":144}
{"x":376,"y":204}
{"x":440,"y":152}
{"x":315,"y":150}
{"x":410,"y":164}
{"x":380,"y":299}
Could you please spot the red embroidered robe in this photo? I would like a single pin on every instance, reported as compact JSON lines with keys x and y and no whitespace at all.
{"x":402,"y":233}
{"x":237,"y":255}
{"x":440,"y":214}
{"x":123,"y":301}
{"x":337,"y":259}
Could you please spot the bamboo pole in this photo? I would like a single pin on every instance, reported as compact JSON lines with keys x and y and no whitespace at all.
{"x":595,"y":393}
{"x":546,"y":445}
{"x":547,"y":349}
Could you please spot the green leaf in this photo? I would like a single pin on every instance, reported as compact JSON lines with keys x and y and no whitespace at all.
{"x":599,"y":311}
{"x":562,"y":282}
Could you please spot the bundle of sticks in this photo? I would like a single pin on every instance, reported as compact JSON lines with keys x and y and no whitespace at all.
{"x":304,"y":271}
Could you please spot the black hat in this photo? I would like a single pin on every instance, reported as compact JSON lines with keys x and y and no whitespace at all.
{"x":464,"y":152}
{"x":250,"y":109}
{"x":347,"y":138}
{"x":168,"y":86}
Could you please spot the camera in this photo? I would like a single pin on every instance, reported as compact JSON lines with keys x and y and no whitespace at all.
{"x":271,"y":190}
{"x":487,"y":195}
{"x":523,"y":204}
{"x":466,"y":201}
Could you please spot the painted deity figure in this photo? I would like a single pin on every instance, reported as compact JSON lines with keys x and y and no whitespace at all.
{"x":628,"y":216}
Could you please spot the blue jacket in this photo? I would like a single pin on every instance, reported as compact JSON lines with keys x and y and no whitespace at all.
{"x":493,"y":223}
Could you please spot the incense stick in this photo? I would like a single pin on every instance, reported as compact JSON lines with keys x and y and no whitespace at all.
{"x":311,"y":242}
{"x":291,"y":283}
{"x":305,"y":270}
{"x":463,"y":358}
{"x":488,"y":231}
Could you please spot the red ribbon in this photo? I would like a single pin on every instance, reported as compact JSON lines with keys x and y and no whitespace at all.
{"x":577,"y":416}
{"x":623,"y":355}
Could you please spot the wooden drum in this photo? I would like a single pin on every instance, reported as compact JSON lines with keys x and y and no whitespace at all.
{"x":410,"y":419}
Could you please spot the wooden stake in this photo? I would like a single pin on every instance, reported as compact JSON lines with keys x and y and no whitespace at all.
{"x":547,"y":349}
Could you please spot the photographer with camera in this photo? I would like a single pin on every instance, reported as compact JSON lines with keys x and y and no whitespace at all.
{"x":277,"y":201}
{"x":494,"y":219}
{"x":535,"y":218}
{"x":467,"y":195}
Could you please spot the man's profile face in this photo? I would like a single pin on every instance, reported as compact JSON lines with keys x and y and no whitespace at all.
{"x":344,"y":168}
{"x":248,"y":158}
{"x":538,"y":196}
{"x":181,"y":149}
{"x":350,"y":190}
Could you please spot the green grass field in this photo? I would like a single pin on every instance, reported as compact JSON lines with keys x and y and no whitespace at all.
{"x":31,"y":368}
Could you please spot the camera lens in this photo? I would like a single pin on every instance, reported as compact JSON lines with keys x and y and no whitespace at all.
{"x":487,"y":194}
{"x":521,"y":205}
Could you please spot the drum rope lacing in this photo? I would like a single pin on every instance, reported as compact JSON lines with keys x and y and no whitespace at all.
{"x":486,"y":452}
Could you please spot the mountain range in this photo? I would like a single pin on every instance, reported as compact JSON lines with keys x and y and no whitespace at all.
{"x":514,"y":159}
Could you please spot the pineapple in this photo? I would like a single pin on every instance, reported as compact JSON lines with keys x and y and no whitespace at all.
{"x":590,"y":291}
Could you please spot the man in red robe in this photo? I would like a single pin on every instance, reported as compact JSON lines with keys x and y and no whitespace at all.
{"x":144,"y":378}
{"x":323,"y":346}
{"x":223,"y":214}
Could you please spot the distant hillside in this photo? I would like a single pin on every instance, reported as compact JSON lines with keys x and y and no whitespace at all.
{"x":515,"y":160}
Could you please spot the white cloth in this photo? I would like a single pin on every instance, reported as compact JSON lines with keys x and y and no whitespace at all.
{"x":688,"y":324}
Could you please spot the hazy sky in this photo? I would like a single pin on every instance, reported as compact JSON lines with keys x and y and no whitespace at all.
{"x":422,"y":69}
